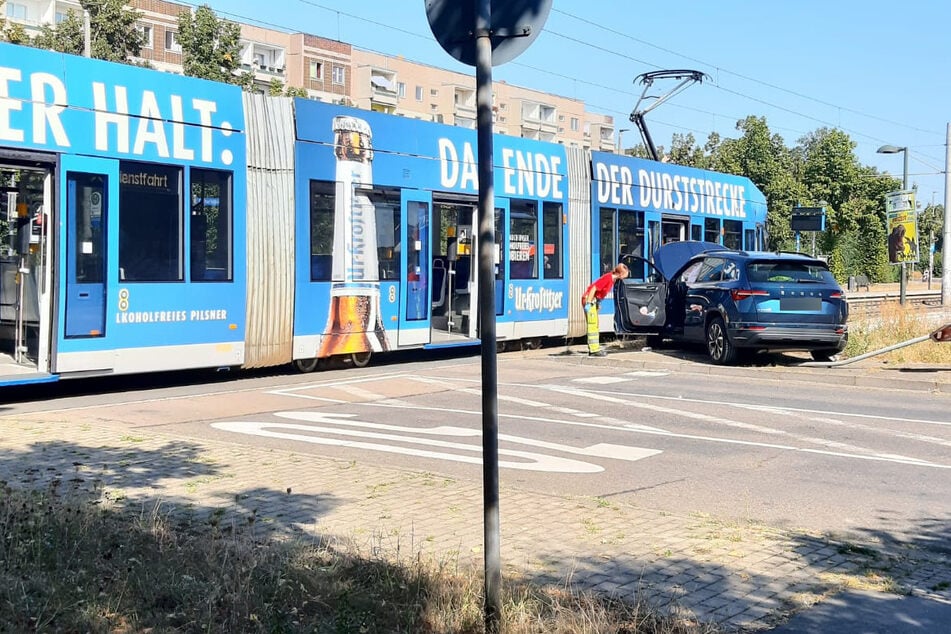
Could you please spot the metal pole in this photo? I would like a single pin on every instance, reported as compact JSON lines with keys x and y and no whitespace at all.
{"x":930,"y":258}
{"x":490,"y":417}
{"x":946,"y":241}
{"x":87,"y":35}
{"x":902,"y":283}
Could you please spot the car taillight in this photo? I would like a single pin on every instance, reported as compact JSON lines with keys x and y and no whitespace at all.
{"x":745,"y":293}
{"x":836,"y":295}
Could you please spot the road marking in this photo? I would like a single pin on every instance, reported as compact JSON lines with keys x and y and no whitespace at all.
{"x":647,"y":373}
{"x":342,"y":425}
{"x":600,"y":380}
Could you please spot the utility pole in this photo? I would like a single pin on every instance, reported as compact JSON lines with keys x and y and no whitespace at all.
{"x":87,"y":35}
{"x":946,"y":242}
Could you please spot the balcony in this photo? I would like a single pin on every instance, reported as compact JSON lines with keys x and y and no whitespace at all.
{"x":464,"y":103}
{"x":383,"y":89}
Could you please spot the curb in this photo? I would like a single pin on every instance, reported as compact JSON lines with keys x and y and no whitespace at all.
{"x":863,"y":376}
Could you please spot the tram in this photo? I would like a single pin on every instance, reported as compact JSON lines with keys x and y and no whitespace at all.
{"x":154,"y":222}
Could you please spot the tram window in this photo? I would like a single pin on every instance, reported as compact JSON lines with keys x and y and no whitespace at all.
{"x":523,"y":240}
{"x":732,"y":234}
{"x":552,"y":229}
{"x":630,"y":234}
{"x":88,"y":193}
{"x":321,"y":230}
{"x":386,"y":203}
{"x":211,"y":236}
{"x":606,"y":239}
{"x":150,"y":222}
{"x":711,"y":230}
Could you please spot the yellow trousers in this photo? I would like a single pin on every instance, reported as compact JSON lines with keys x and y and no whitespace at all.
{"x":594,"y":330}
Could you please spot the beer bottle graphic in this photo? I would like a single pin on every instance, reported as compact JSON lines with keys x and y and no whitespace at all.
{"x":355,"y":323}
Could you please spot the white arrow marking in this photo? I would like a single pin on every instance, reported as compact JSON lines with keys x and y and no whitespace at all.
{"x":532,"y":461}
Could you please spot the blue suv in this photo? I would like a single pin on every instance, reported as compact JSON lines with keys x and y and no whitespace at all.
{"x":733,"y":300}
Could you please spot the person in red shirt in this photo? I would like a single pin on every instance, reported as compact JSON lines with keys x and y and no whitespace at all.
{"x":591,"y":300}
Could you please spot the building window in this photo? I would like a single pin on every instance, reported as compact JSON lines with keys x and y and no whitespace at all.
{"x":339,"y":75}
{"x":260,"y":60}
{"x":145,"y":31}
{"x":16,"y":11}
{"x":574,"y":124}
{"x":419,"y":93}
{"x":210,"y":225}
{"x":316,"y":70}
{"x":60,"y":16}
{"x":171,"y":42}
{"x":150,"y":222}
{"x":401,"y":89}
{"x":433,"y":92}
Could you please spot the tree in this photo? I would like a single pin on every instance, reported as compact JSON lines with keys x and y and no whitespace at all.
{"x":764,"y":159}
{"x":112,"y":30}
{"x":685,"y":151}
{"x":12,"y":32}
{"x":65,"y":37}
{"x":296,"y":91}
{"x":211,"y":48}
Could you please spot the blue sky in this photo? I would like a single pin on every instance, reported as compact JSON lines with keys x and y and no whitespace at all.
{"x":878,"y":70}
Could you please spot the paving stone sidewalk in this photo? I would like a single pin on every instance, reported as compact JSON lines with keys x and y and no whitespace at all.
{"x":745,"y":577}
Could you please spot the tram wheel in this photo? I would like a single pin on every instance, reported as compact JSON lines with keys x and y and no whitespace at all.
{"x":360,"y":359}
{"x":306,"y":365}
{"x":532,"y":344}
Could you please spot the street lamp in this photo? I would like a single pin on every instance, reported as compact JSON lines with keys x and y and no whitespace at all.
{"x":620,"y":134}
{"x":894,"y":149}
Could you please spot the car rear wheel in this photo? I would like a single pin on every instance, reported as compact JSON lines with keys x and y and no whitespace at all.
{"x":721,"y":349}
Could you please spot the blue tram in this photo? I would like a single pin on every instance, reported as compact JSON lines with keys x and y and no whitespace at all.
{"x":157,"y":222}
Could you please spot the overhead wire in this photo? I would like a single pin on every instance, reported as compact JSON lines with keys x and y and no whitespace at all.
{"x":914,"y":156}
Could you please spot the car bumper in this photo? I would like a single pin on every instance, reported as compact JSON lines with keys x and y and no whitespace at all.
{"x":798,"y":338}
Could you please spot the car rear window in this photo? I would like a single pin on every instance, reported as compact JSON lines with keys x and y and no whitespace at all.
{"x":786,"y":271}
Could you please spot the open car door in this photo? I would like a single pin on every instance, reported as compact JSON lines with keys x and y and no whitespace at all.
{"x":640,"y":300}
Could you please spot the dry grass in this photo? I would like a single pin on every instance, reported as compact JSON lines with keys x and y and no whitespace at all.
{"x":74,"y":563}
{"x":895,"y":324}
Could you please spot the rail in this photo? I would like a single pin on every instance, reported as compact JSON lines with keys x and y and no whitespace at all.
{"x":867,"y":305}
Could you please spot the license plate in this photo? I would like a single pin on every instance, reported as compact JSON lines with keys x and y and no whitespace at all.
{"x":800,"y":303}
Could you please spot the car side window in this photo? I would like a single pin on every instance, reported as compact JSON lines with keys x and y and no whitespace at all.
{"x":689,"y":274}
{"x":731,"y":272}
{"x":712,"y":270}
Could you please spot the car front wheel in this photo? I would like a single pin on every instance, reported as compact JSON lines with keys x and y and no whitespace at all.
{"x":721,"y":349}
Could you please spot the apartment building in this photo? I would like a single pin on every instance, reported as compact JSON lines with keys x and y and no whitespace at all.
{"x":337,"y":72}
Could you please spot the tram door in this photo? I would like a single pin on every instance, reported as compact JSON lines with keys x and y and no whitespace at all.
{"x":421,"y":284}
{"x":25,"y":271}
{"x":674,"y":229}
{"x":90,"y":190}
{"x":455,"y":249}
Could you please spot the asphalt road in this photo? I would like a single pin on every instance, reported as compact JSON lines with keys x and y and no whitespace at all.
{"x":872,"y":464}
